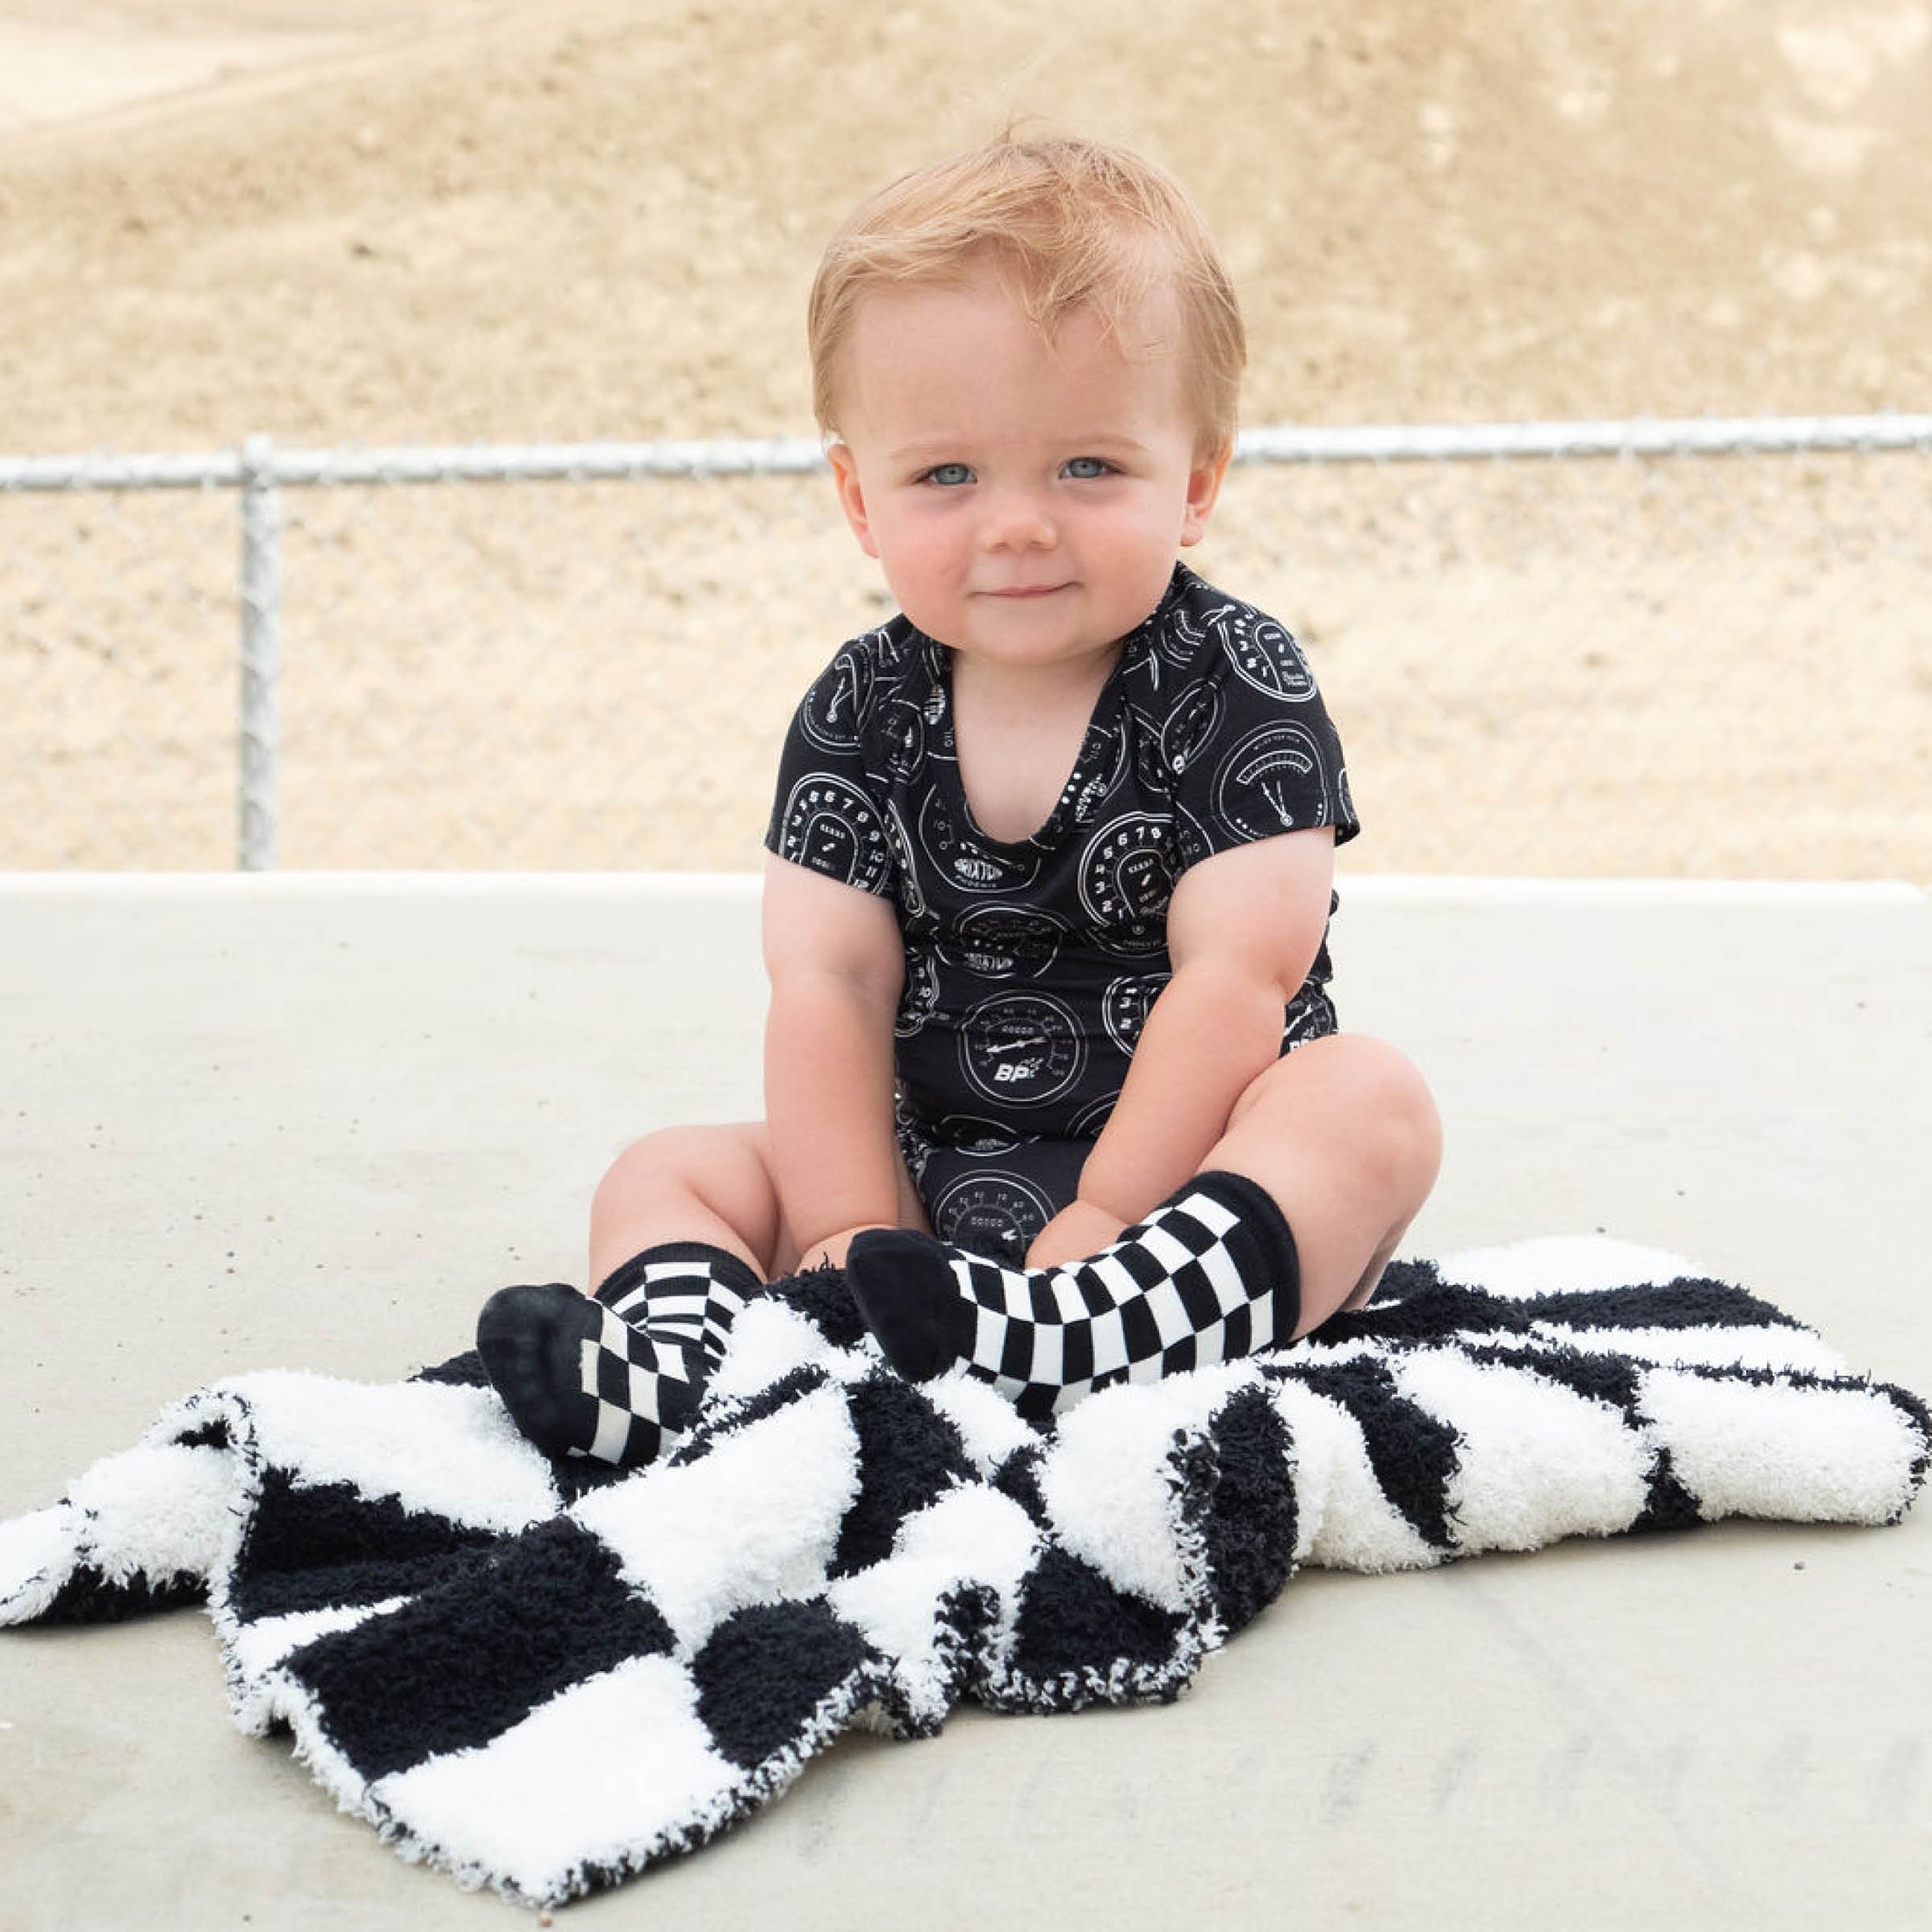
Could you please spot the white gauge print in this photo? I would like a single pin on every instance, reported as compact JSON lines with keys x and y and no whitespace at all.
{"x":1127,"y":878}
{"x":992,"y":1213}
{"x":1022,"y":1049}
{"x":1005,"y":941}
{"x":1264,"y":654}
{"x":834,"y":705}
{"x":964,"y":860}
{"x":830,"y":826}
{"x":1271,"y":782}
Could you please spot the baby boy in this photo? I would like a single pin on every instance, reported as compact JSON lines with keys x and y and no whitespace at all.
{"x":1051,"y":1070}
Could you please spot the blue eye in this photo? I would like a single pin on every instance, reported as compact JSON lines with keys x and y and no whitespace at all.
{"x":1085,"y":469}
{"x":948,"y":475}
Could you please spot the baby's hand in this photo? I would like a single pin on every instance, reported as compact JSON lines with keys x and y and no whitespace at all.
{"x":1080,"y":1229}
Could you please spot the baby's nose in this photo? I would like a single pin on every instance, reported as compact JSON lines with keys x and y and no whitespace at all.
{"x":1016,"y":520}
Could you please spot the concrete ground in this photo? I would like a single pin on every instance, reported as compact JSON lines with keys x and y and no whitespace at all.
{"x":311,"y":1121}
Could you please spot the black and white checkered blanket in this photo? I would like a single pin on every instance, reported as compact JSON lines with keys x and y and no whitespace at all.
{"x":546,"y":1683}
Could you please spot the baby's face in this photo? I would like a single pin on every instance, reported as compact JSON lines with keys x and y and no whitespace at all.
{"x":1025,"y":499}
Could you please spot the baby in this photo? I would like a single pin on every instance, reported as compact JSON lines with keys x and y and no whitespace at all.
{"x":1050,"y":1065}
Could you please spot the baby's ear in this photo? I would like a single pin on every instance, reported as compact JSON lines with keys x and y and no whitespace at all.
{"x":845,"y":477}
{"x":1203,"y":489}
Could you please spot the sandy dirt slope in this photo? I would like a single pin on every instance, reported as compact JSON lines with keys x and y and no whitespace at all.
{"x":336,"y":220}
{"x":436,"y":218}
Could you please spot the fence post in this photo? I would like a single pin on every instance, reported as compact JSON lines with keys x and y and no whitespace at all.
{"x":260,"y":733}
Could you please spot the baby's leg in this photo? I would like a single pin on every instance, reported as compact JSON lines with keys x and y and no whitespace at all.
{"x":1326,"y":1158}
{"x":711,"y":1184}
{"x":693,"y":1184}
{"x":1343,"y":1134}
{"x":1210,"y":1275}
{"x":685,"y":1229}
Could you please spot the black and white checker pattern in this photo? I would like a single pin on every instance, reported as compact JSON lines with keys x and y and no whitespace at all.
{"x":683,"y":1297}
{"x":645,"y":1390}
{"x":1171,"y":1294}
{"x":543,"y":1676}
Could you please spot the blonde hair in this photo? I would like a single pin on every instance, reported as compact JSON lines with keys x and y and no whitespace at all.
{"x":1070,"y":225}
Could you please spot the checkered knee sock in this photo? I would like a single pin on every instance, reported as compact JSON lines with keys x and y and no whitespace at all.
{"x":600,"y":1376}
{"x":1209,"y":1276}
{"x":684,"y":1291}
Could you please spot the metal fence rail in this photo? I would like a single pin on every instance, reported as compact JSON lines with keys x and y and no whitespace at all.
{"x":1528,"y":625}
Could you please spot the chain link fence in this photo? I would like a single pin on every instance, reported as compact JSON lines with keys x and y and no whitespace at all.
{"x":1636,"y":649}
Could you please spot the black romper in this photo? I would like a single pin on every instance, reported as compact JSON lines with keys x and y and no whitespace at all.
{"x":1030,"y":966}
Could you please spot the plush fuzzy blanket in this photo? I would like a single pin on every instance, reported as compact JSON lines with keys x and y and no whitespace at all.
{"x":545,"y":1682}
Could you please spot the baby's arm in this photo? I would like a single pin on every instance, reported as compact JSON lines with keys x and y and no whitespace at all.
{"x":836,"y":964}
{"x":1242,"y":930}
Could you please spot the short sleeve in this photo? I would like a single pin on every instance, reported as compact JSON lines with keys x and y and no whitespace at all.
{"x":1257,"y":755}
{"x":828,"y":813}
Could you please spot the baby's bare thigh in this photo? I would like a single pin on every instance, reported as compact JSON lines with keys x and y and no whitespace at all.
{"x":679,"y":1183}
{"x":788,"y":1254}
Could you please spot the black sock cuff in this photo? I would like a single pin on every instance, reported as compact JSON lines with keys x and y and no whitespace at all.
{"x":1268,"y":1228}
{"x":722,"y":1265}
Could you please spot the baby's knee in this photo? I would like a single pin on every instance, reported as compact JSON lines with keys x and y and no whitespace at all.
{"x":670,"y":1153}
{"x":1399,"y":1110}
{"x":727,"y":1163}
{"x":1380,"y":1093}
